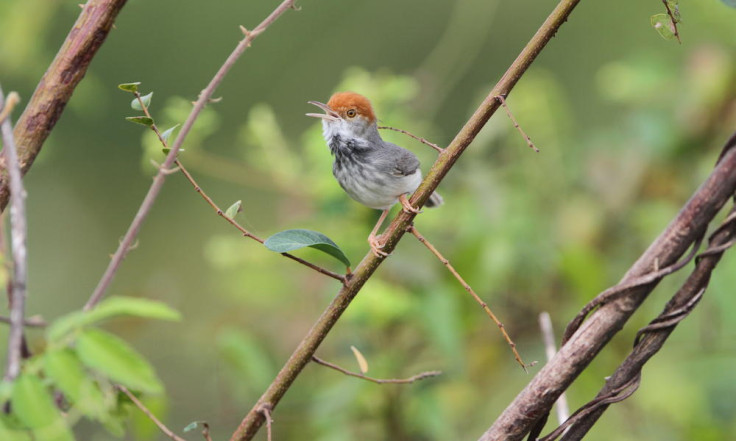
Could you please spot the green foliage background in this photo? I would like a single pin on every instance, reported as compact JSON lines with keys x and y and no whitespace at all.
{"x":628,"y":123}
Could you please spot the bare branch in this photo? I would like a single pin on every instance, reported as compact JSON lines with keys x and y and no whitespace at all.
{"x":31,"y":322}
{"x":526,"y":137}
{"x":158,"y":181}
{"x":166,"y":431}
{"x":57,"y":84}
{"x":18,"y":233}
{"x":308,"y":346}
{"x":266,"y":411}
{"x":412,"y":379}
{"x":470,"y":291}
{"x":422,"y":140}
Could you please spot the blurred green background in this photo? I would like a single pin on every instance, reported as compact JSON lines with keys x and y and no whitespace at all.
{"x":628,"y":125}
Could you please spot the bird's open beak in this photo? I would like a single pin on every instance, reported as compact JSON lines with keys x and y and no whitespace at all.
{"x":329,"y":115}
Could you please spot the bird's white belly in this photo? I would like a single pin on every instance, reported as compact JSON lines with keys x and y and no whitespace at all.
{"x":379,"y":191}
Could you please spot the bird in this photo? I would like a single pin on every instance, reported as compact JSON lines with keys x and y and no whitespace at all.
{"x":376,"y":173}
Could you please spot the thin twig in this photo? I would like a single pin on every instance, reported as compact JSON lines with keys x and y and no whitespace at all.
{"x":412,"y":379}
{"x":158,"y":181}
{"x":673,"y":20}
{"x":266,"y":411}
{"x":30,"y":322}
{"x":166,"y":431}
{"x":422,"y":140}
{"x":18,"y":232}
{"x":470,"y":291}
{"x":548,"y":336}
{"x":526,"y":137}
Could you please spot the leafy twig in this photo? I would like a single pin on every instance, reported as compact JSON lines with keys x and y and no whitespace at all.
{"x":308,"y":346}
{"x":18,"y":230}
{"x":673,"y":20}
{"x":158,"y":181}
{"x":422,"y":140}
{"x":412,"y":379}
{"x":166,"y":431}
{"x":470,"y":291}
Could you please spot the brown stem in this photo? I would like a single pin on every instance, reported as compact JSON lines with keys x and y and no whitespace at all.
{"x":166,"y":431}
{"x":470,"y":291}
{"x":516,"y":124}
{"x":689,"y":225}
{"x":422,"y":140}
{"x":307,"y":347}
{"x":412,"y":379}
{"x":673,"y":21}
{"x":57,"y":84}
{"x":163,"y":171}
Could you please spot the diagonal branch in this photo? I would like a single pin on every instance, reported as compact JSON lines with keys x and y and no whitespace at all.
{"x":58,"y":83}
{"x":309,"y":344}
{"x":158,"y":181}
{"x":537,"y":398}
{"x":166,"y":431}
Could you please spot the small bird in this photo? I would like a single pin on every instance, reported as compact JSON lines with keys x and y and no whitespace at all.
{"x":372,"y":171}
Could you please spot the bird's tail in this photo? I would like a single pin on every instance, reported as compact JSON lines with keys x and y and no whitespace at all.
{"x":435,"y":200}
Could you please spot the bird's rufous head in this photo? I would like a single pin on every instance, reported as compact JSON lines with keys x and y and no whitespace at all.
{"x":346,"y":106}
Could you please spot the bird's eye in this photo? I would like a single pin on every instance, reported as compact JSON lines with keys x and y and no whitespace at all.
{"x":351,"y":113}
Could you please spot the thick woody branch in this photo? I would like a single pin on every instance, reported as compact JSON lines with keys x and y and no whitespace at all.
{"x":650,"y":339}
{"x":308,"y":346}
{"x":57,"y":84}
{"x":163,"y":171}
{"x":535,"y":401}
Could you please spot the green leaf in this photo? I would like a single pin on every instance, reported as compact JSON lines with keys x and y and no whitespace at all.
{"x":112,"y":307}
{"x":167,"y":133}
{"x":136,"y":105}
{"x":234,"y":209}
{"x":663,"y":24}
{"x":191,"y":426}
{"x":129,"y":87}
{"x":289,"y":240}
{"x":68,"y":374}
{"x":113,"y":357}
{"x":144,"y":120}
{"x":7,"y":434}
{"x":34,"y":407}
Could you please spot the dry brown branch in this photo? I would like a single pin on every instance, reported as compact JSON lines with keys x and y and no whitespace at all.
{"x":533,"y":403}
{"x":422,"y":140}
{"x":57,"y":84}
{"x":412,"y":379}
{"x":650,"y":339}
{"x":158,"y":180}
{"x":266,"y":411}
{"x":308,"y":346}
{"x":526,"y":137}
{"x":30,"y":322}
{"x":166,"y":431}
{"x":18,"y":233}
{"x":470,"y":291}
{"x":548,"y":336}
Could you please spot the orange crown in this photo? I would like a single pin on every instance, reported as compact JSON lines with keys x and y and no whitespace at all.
{"x":341,"y":102}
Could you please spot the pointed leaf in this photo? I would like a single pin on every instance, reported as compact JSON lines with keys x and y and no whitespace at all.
{"x":34,"y":407}
{"x":136,"y":105}
{"x":663,"y":24}
{"x":289,"y":240}
{"x":7,"y":434}
{"x":167,"y":133}
{"x":144,"y":120}
{"x":362,"y":362}
{"x":112,"y":307}
{"x":129,"y":87}
{"x":234,"y":209}
{"x":66,"y":370}
{"x":113,"y":357}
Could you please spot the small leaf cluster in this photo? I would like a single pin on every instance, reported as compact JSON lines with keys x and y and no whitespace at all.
{"x":77,"y":374}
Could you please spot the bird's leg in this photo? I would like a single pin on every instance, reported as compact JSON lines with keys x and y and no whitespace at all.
{"x":375,"y":241}
{"x":407,"y":206}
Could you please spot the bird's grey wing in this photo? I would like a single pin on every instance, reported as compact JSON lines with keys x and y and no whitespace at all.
{"x":399,"y":161}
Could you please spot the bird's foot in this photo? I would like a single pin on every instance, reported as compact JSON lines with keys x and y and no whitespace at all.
{"x":407,"y":206}
{"x":376,"y":245}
